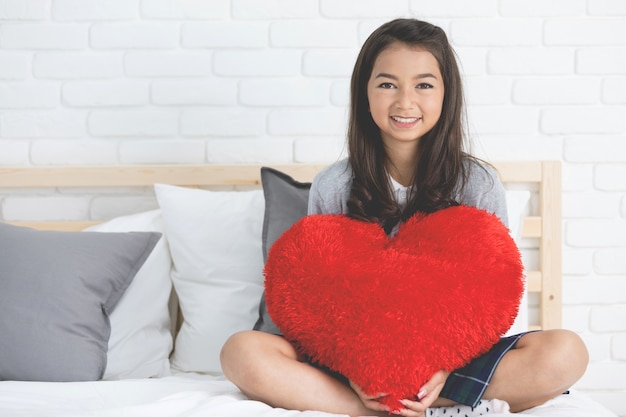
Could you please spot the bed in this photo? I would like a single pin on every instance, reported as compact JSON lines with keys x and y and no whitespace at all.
{"x":201,"y":231}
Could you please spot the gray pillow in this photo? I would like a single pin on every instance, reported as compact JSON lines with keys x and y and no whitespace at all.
{"x":286,"y":202}
{"x":57,"y":290}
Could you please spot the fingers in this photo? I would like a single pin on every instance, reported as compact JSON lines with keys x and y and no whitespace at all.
{"x":359,"y":391}
{"x":373,"y":402}
{"x":370,"y":401}
{"x":430,"y":391}
{"x":425,"y":397}
{"x":412,"y":409}
{"x":436,"y":381}
{"x":375,"y":406}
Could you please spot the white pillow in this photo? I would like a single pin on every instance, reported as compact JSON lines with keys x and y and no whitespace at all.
{"x":215,"y":243}
{"x":517,"y":203}
{"x":141,"y":339}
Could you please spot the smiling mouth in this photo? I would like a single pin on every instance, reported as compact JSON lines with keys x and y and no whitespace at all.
{"x":406,"y":120}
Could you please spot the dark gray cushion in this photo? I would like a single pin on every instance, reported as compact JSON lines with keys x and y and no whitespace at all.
{"x":57,"y":290}
{"x":286,"y":202}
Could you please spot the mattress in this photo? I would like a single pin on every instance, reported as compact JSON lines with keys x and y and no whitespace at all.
{"x":189,"y":395}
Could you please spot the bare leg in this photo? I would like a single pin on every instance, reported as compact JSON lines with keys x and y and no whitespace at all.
{"x":541,"y":366}
{"x":265,"y":367}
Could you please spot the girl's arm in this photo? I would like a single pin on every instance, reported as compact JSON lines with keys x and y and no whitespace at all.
{"x":330,"y":189}
{"x":485,"y":191}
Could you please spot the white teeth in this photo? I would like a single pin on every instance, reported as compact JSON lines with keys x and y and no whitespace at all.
{"x":405,"y":119}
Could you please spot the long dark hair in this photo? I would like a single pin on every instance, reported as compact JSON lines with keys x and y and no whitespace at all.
{"x":440,"y":168}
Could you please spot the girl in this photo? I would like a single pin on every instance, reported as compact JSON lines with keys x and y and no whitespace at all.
{"x":406,"y":155}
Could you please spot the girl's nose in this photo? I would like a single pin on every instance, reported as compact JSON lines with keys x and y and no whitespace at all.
{"x":406,"y":98}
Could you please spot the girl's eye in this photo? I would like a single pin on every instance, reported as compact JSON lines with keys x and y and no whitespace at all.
{"x":386,"y":85}
{"x":424,"y":85}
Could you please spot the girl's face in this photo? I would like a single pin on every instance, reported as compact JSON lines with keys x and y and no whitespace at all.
{"x":405,"y":93}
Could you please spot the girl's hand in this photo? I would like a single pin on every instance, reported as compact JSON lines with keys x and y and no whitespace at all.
{"x":369,"y":401}
{"x":426,"y":396}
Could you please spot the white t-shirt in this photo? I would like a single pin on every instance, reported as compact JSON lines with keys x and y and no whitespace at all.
{"x":401,"y":192}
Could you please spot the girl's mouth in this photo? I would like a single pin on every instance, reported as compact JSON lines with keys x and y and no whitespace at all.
{"x":405,"y":120}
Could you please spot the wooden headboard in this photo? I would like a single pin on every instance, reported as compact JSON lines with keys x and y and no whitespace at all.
{"x":542,"y":226}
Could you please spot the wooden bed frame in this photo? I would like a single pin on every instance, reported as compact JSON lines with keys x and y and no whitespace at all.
{"x":544,"y":226}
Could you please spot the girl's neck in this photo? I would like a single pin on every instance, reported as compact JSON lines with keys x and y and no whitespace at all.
{"x":401,"y":165}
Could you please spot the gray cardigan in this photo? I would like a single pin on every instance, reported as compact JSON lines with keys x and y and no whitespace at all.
{"x":331,"y":189}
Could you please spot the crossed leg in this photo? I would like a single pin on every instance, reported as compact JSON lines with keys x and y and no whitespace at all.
{"x":266,"y":367}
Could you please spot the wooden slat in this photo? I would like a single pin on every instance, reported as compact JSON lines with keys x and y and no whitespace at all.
{"x":65,"y":226}
{"x":531,"y":226}
{"x":533,"y":281}
{"x":550,"y":251}
{"x":519,"y":171}
{"x":139,"y":175}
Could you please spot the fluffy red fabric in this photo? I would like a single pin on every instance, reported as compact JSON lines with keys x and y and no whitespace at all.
{"x":389,"y":313}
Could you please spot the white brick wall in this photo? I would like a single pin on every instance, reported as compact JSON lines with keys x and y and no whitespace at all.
{"x":221,"y":81}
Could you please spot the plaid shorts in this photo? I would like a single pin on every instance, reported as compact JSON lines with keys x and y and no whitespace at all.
{"x":468,"y":384}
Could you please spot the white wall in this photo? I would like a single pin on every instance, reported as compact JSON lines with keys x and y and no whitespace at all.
{"x":191,"y":81}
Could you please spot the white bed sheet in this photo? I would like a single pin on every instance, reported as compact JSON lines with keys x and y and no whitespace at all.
{"x":190,"y":395}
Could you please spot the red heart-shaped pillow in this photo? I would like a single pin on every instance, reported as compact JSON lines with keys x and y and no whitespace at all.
{"x":388,"y":313}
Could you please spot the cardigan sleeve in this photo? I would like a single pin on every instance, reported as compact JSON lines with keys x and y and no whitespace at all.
{"x":484,"y":190}
{"x":330,"y":189}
